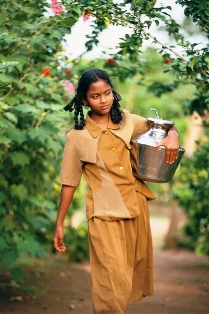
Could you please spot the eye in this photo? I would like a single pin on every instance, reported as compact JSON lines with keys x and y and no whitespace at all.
{"x":107,"y":92}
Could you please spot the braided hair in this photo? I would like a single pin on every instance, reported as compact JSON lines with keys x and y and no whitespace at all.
{"x":88,"y":77}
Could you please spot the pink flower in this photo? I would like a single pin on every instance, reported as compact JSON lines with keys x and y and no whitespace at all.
{"x":69,"y":87}
{"x":56,"y":7}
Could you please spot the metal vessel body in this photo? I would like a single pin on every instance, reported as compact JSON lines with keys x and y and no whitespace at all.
{"x":148,"y":162}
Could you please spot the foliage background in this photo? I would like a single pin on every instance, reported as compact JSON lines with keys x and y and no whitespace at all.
{"x":35,"y":89}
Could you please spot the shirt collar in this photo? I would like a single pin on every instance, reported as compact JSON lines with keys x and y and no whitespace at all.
{"x":95,"y":130}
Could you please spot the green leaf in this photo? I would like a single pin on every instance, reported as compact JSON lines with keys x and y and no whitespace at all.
{"x":20,"y":60}
{"x":10,"y":255}
{"x":33,"y":133}
{"x":3,"y":244}
{"x":19,"y":191}
{"x":4,"y":78}
{"x":77,"y":10}
{"x":43,"y":105}
{"x":11,"y":101}
{"x":16,"y":135}
{"x":39,"y":222}
{"x":29,"y":245}
{"x":20,"y":158}
{"x":38,"y":40}
{"x":26,"y":108}
{"x":7,"y":64}
{"x":193,"y":62}
{"x":4,"y":124}
{"x":53,"y":145}
{"x":3,"y":18}
{"x":3,"y":184}
{"x":3,"y":210}
{"x":10,"y":116}
{"x":5,"y":140}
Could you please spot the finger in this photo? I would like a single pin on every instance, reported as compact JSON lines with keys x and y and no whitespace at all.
{"x":62,"y":246}
{"x":59,"y":244}
{"x":56,"y":244}
{"x":158,"y":144}
{"x":171,"y":155}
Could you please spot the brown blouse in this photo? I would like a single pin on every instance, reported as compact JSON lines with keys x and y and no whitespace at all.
{"x":103,"y":157}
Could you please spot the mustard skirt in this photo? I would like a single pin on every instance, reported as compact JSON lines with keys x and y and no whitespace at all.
{"x":121,"y":259}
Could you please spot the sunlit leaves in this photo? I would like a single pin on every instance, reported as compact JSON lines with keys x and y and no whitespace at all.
{"x":31,"y":126}
{"x":193,"y":196}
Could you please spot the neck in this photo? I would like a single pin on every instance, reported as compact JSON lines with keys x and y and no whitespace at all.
{"x":101,"y":121}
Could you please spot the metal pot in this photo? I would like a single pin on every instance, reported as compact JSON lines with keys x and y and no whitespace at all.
{"x":148,"y":162}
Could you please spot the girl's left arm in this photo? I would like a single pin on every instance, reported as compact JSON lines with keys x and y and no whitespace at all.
{"x":171,"y":144}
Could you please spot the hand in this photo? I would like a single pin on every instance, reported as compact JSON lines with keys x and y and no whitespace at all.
{"x":170,"y":142}
{"x":58,"y":240}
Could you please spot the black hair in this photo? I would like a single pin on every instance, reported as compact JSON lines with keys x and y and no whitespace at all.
{"x":88,"y":77}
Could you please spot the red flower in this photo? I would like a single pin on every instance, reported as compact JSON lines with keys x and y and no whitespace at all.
{"x":46,"y":72}
{"x":68,"y":72}
{"x":110,"y":61}
{"x":86,"y":15}
{"x":167,"y":61}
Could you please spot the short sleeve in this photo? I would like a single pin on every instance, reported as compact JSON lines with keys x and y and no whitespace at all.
{"x":71,"y":170}
{"x":141,"y":124}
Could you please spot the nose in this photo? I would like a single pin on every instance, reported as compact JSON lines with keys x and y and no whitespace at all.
{"x":103,"y":98}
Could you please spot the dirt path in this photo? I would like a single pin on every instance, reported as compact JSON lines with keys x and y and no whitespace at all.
{"x":181,"y":286}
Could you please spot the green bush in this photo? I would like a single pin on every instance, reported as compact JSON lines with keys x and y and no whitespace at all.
{"x":76,"y":241}
{"x":192,"y":193}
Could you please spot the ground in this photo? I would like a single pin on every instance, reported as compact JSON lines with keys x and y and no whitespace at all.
{"x":181,"y":282}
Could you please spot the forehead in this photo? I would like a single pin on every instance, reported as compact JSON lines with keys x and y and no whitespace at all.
{"x":98,"y":87}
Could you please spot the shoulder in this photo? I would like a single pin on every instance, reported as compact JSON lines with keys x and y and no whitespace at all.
{"x":125,"y":113}
{"x":82,"y":143}
{"x":74,"y":134}
{"x":134,"y":118}
{"x":138,"y":123}
{"x":126,"y":116}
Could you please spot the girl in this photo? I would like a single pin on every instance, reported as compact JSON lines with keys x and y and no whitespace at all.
{"x":99,"y":147}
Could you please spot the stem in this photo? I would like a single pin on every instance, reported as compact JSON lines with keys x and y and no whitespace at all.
{"x":36,"y":34}
{"x":163,"y":45}
{"x":42,"y":118}
{"x":11,"y":90}
{"x":204,"y":73}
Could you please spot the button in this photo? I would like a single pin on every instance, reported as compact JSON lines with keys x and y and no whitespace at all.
{"x":113,"y":149}
{"x":121,"y":168}
{"x":106,"y":132}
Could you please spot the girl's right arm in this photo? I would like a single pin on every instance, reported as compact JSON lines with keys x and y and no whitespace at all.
{"x":66,"y":197}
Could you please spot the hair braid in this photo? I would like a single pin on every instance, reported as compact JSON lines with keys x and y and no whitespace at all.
{"x":115,"y":112}
{"x":79,"y":123}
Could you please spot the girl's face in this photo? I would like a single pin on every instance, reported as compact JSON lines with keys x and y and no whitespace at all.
{"x":99,"y":98}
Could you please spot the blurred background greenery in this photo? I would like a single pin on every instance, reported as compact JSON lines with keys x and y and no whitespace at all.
{"x":37,"y":79}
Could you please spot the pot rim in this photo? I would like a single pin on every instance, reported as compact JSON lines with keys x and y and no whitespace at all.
{"x":160,"y":121}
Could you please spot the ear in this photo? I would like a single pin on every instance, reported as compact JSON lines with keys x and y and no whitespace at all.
{"x":84,"y":101}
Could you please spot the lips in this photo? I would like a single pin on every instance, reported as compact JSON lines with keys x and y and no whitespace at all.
{"x":104,"y":107}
